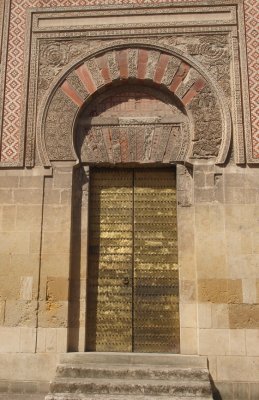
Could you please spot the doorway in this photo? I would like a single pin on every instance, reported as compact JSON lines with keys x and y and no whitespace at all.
{"x":133,"y":285}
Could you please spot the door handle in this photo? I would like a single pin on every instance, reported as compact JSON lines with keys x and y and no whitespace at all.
{"x":125,"y":281}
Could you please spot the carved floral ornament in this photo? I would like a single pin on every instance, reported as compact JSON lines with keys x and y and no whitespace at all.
{"x":203,"y":131}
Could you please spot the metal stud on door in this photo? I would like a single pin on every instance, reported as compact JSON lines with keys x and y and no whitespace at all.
{"x":133,"y":300}
{"x":109,"y":309}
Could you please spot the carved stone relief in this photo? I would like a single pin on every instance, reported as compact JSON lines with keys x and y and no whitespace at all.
{"x":136,"y":125}
{"x":205,"y":109}
{"x":59,"y":125}
{"x":55,"y":55}
{"x":213,"y":51}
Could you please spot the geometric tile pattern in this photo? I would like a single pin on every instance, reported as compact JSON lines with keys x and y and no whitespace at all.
{"x":11,"y":140}
{"x":252,"y":35}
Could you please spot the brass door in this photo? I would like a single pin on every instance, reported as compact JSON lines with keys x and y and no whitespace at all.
{"x":133,"y":301}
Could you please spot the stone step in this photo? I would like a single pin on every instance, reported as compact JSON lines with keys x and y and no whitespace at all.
{"x":79,"y":396}
{"x":175,"y":360}
{"x":132,"y":372}
{"x":133,"y":387}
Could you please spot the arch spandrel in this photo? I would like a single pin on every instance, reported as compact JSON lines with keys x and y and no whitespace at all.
{"x":171,"y":72}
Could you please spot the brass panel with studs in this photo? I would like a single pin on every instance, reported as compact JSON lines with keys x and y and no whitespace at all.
{"x":133,"y":294}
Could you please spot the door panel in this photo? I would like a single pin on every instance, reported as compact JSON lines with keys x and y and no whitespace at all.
{"x":133,"y":277}
{"x":155,"y":304}
{"x":109,"y":326}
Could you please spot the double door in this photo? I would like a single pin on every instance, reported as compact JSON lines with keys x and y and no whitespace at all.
{"x":133,"y":294}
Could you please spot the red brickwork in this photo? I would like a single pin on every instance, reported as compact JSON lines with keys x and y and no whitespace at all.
{"x":86,"y":79}
{"x":104,"y":68}
{"x":72,"y":94}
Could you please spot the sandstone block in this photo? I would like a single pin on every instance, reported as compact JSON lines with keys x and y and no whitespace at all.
{"x":225,"y":389}
{"x":234,"y":179}
{"x":239,"y":218}
{"x":204,"y":195}
{"x":211,"y":255}
{"x":55,"y":265}
{"x":2,"y":311}
{"x":238,"y":368}
{"x":214,"y":341}
{"x":237,"y":342}
{"x":202,"y":218}
{"x":62,"y":180}
{"x":10,"y":286}
{"x":9,"y":181}
{"x":220,"y":315}
{"x":55,"y":340}
{"x":28,"y":218}
{"x":220,"y":291}
{"x":41,"y":340}
{"x":188,"y":315}
{"x":187,"y":291}
{"x":204,"y":315}
{"x":35,"y":242}
{"x":56,"y":242}
{"x":209,"y":179}
{"x":56,"y":218}
{"x":9,"y":339}
{"x":53,"y":314}
{"x":65,"y":197}
{"x":254,"y":391}
{"x":244,"y":316}
{"x":188,"y":341}
{"x":57,"y":289}
{"x":32,"y":182}
{"x":235,"y":195}
{"x":20,"y":313}
{"x":27,"y":340}
{"x":199,"y":179}
{"x":51,"y":340}
{"x":28,"y":196}
{"x":39,"y":367}
{"x":52,"y":196}
{"x":25,"y":265}
{"x":6,"y":196}
{"x":249,"y":290}
{"x":252,"y":342}
{"x":7,"y":221}
{"x":14,"y":242}
{"x":26,"y":288}
{"x":241,"y":391}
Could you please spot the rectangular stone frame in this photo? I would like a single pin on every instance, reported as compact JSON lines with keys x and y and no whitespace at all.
{"x":235,"y":26}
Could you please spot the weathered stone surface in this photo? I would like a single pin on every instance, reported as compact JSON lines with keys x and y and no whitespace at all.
{"x":220,"y":291}
{"x":81,"y":380}
{"x":244,"y":316}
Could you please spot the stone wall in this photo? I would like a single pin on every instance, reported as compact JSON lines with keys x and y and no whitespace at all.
{"x":219,"y":263}
{"x":218,"y":259}
{"x":35,"y":226}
